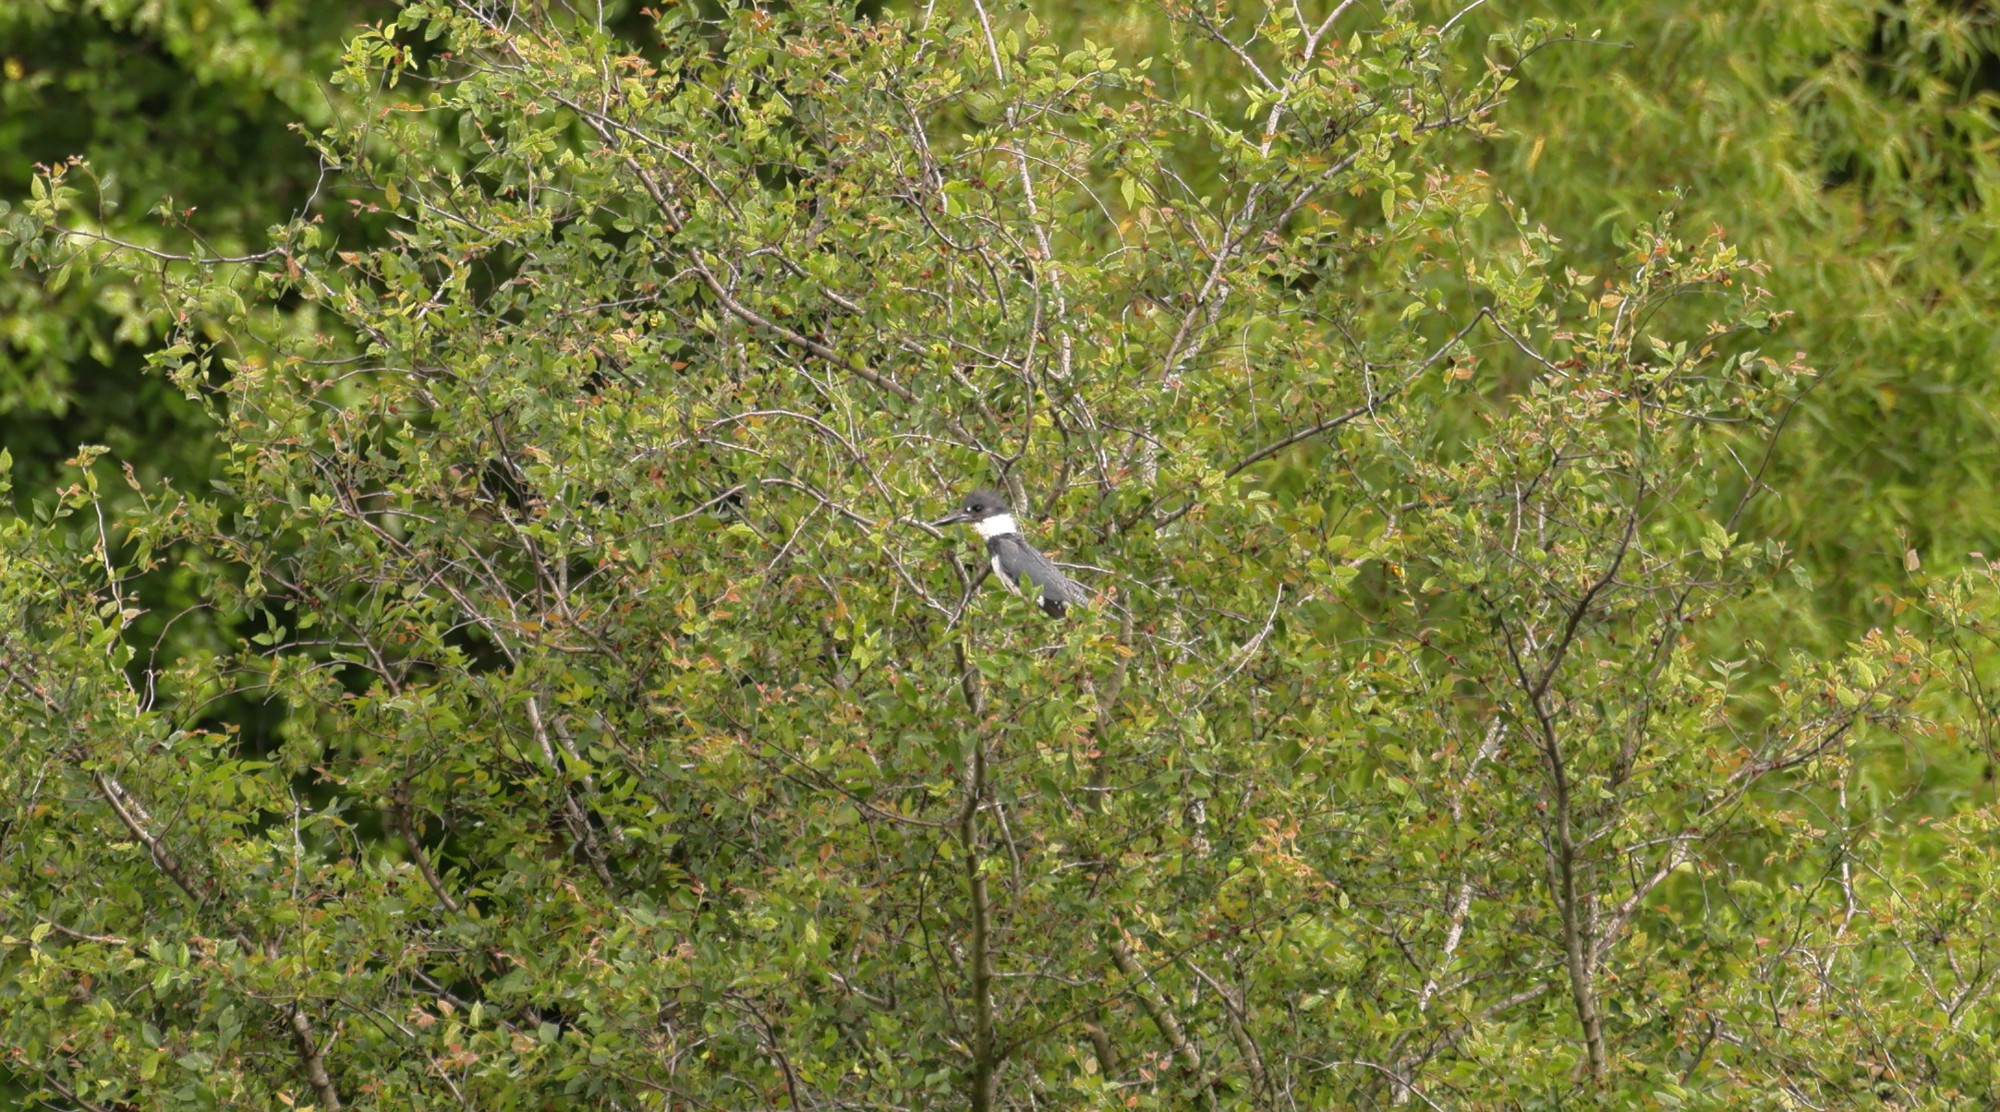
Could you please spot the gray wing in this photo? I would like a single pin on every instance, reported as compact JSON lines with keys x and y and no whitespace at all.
{"x":1019,"y":566}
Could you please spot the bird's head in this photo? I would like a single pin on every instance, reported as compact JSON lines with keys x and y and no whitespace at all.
{"x":979,"y":506}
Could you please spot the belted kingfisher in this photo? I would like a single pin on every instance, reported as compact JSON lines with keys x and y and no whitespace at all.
{"x":1016,"y":563}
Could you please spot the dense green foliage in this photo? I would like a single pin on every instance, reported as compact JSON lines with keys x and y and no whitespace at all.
{"x":557,"y":699}
{"x":181,"y":107}
{"x":1853,"y":145}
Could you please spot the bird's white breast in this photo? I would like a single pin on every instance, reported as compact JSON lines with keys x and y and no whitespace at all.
{"x":999,"y":525}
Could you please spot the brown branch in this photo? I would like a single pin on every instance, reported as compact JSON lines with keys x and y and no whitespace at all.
{"x":1579,"y":949}
{"x":1156,"y":1008}
{"x":133,"y":815}
{"x":985,"y":1053}
{"x":19,"y":1054}
{"x":1562,"y":859}
{"x":400,"y":816}
{"x":1236,"y":1012}
{"x":314,"y":1058}
{"x":1488,"y":745}
{"x":573,"y":813}
{"x":165,"y":256}
{"x":768,"y":1033}
{"x":1100,"y":1046}
{"x":81,"y":936}
{"x":1107,"y":707}
{"x":1582,"y":607}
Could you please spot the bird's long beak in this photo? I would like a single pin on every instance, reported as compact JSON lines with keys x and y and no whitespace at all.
{"x":959,"y":518}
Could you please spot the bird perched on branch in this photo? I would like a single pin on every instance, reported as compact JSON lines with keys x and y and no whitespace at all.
{"x":1024,"y":570}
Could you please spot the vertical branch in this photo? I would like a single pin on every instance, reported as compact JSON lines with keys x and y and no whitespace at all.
{"x":1576,"y":933}
{"x":985,"y":1055}
{"x":1560,"y":847}
{"x":1020,"y":153}
{"x":1487,"y":747}
{"x":1579,"y":947}
{"x":313,"y":1057}
{"x":1107,"y":708}
{"x":1100,"y":1045}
